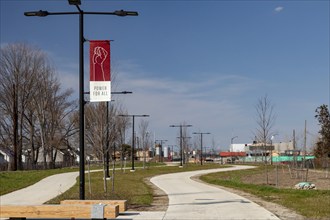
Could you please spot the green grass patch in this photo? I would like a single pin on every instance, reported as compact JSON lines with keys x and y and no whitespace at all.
{"x":128,"y":185}
{"x":131,"y":186}
{"x":309,"y":203}
{"x":14,"y":180}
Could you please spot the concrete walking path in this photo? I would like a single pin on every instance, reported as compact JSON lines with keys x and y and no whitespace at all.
{"x":188,"y":199}
{"x":42,"y":191}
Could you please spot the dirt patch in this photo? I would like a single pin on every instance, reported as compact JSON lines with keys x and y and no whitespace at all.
{"x":287,"y":178}
{"x":282,"y":177}
{"x":280,"y":211}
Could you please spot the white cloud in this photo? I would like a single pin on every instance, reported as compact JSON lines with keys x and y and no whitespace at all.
{"x":220,"y":103}
{"x":211,"y":103}
{"x":278,"y":9}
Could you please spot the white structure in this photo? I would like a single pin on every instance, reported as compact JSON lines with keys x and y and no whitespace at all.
{"x":157,"y":150}
{"x":4,"y":156}
{"x":239,"y":147}
{"x":279,"y":148}
{"x":166,"y":150}
{"x":283,"y":146}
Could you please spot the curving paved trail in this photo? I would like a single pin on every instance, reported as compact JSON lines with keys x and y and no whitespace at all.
{"x":188,"y":199}
{"x":42,"y":191}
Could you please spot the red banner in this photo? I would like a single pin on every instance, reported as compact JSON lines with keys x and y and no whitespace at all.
{"x":100,"y":76}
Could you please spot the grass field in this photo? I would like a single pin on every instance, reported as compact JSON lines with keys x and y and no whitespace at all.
{"x":15,"y":180}
{"x":310,"y":203}
{"x":130,"y":186}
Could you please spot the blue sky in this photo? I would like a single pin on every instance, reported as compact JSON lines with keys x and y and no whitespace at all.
{"x":205,"y":63}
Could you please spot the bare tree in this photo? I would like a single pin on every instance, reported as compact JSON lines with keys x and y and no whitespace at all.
{"x":265,"y":119}
{"x":143,"y":129}
{"x":122,"y":124}
{"x":185,"y":143}
{"x":96,"y":132}
{"x":101,"y":132}
{"x":20,"y":67}
{"x":59,"y":126}
{"x":33,"y":108}
{"x":52,"y":110}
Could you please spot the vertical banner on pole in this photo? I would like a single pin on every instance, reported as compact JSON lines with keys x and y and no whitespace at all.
{"x":100,"y":76}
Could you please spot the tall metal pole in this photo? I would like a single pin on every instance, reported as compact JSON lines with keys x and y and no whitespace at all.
{"x":305,"y":142}
{"x":201,"y":133}
{"x":181,"y":147}
{"x":133,"y":136}
{"x":81,"y":107}
{"x":107,"y":143}
{"x":133,"y":145}
{"x":201,"y":148}
{"x":81,"y":13}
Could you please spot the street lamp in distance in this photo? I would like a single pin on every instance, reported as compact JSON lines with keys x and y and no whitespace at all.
{"x":201,"y":133}
{"x":133,"y":136}
{"x":181,"y":147}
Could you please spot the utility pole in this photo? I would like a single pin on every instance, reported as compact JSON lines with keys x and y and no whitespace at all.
{"x":201,"y":133}
{"x":181,"y":147}
{"x":133,"y":136}
{"x":305,"y":143}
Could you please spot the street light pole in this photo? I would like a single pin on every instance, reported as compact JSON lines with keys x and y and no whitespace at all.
{"x":81,"y":107}
{"x":172,"y":151}
{"x":201,"y":133}
{"x":133,"y":136}
{"x":271,"y":149}
{"x":181,"y":148}
{"x":108,"y":142}
{"x":184,"y":148}
{"x":81,"y":13}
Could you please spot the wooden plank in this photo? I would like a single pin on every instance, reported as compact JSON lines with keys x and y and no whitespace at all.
{"x":122,"y":203}
{"x":55,"y":211}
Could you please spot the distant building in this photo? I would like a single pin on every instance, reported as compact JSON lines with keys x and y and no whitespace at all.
{"x":143,"y":154}
{"x":278,"y":148}
{"x":282,"y":147}
{"x":5,"y":155}
{"x":239,"y":147}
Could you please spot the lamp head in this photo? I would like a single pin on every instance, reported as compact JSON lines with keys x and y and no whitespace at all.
{"x":36,"y":13}
{"x":126,"y":13}
{"x":74,"y":2}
